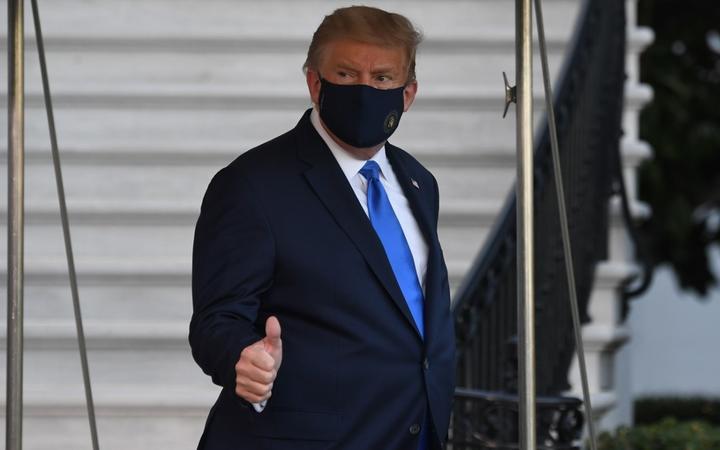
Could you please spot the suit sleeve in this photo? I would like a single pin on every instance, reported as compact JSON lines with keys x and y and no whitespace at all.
{"x":232,"y":267}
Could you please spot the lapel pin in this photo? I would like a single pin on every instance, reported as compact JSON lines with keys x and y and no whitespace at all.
{"x":415,"y":183}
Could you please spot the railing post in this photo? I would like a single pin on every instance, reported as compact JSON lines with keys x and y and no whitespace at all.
{"x":525,"y":249}
{"x":16,"y":188}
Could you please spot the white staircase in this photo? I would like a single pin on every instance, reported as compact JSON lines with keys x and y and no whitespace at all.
{"x":152,"y":97}
{"x":605,"y":336}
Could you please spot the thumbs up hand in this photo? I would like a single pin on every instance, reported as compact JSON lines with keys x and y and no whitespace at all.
{"x":257,"y":368}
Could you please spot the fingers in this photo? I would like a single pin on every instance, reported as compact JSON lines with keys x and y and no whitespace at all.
{"x":261,"y":359}
{"x":255,"y":359}
{"x":252,"y":397}
{"x":252,"y":391}
{"x":255,"y":373}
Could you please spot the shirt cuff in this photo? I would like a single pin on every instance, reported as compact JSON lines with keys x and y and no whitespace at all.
{"x":259,"y":407}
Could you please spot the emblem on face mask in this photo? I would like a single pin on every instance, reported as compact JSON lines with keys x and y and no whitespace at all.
{"x":391,"y":122}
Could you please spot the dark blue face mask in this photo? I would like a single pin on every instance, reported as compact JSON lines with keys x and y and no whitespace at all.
{"x":360,"y":115}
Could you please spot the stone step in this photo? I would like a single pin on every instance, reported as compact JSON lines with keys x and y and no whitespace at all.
{"x":138,"y":273}
{"x":115,"y":299}
{"x":128,"y":291}
{"x":453,"y":212}
{"x":159,"y":184}
{"x":128,"y":416}
{"x":168,"y":242}
{"x":156,"y":354}
{"x":283,"y":20}
{"x":129,"y":340}
{"x":221,"y":153}
{"x":122,"y":243}
{"x":53,"y":330}
{"x":171,"y":430}
{"x":243,"y":97}
{"x":95,"y":69}
{"x":135,"y":368}
{"x":120,"y":400}
{"x":460,"y":125}
{"x":114,"y":129}
{"x":280,"y":71}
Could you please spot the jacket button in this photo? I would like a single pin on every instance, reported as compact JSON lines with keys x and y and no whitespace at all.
{"x":414,"y":428}
{"x":426,"y":364}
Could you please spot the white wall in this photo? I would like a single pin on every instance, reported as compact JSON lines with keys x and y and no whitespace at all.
{"x":675,"y":345}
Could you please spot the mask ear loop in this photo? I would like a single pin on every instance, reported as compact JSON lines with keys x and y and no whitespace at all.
{"x":320,"y":94}
{"x":319,"y":103}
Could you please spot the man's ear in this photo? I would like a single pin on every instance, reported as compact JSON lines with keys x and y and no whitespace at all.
{"x":409,"y":94}
{"x":313,"y":82}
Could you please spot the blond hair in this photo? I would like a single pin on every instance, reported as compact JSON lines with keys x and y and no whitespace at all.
{"x":367,"y":25}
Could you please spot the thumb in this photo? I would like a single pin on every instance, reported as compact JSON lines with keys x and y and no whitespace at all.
{"x":272,"y":339}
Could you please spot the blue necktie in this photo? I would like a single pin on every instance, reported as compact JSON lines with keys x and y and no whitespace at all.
{"x":388,"y":229}
{"x":397,"y":249}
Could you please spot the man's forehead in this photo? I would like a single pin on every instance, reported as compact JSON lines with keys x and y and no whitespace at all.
{"x":352,"y":53}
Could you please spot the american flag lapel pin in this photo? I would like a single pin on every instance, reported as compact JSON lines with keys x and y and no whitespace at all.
{"x":415,"y":183}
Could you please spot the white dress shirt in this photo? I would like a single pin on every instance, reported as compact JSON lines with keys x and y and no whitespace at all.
{"x":400,"y":205}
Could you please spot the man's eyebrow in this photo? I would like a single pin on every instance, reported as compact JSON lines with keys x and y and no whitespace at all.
{"x":346,"y":66}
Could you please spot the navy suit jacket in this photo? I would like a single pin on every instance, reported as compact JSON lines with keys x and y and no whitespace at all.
{"x":282,"y":233}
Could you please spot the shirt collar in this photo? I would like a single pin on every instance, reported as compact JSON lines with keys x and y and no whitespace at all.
{"x":349,"y":165}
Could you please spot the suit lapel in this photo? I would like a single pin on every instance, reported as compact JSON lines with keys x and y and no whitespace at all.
{"x":415,"y":193}
{"x":418,"y":195}
{"x":332,"y":188}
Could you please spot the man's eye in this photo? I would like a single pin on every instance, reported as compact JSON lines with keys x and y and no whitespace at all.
{"x":383,"y":78}
{"x":343,"y":74}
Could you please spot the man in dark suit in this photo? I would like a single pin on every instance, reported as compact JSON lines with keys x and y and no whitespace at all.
{"x":320,"y":294}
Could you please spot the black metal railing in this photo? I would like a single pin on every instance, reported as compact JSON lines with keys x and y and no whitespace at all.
{"x":484,"y":419}
{"x":588,"y":105}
